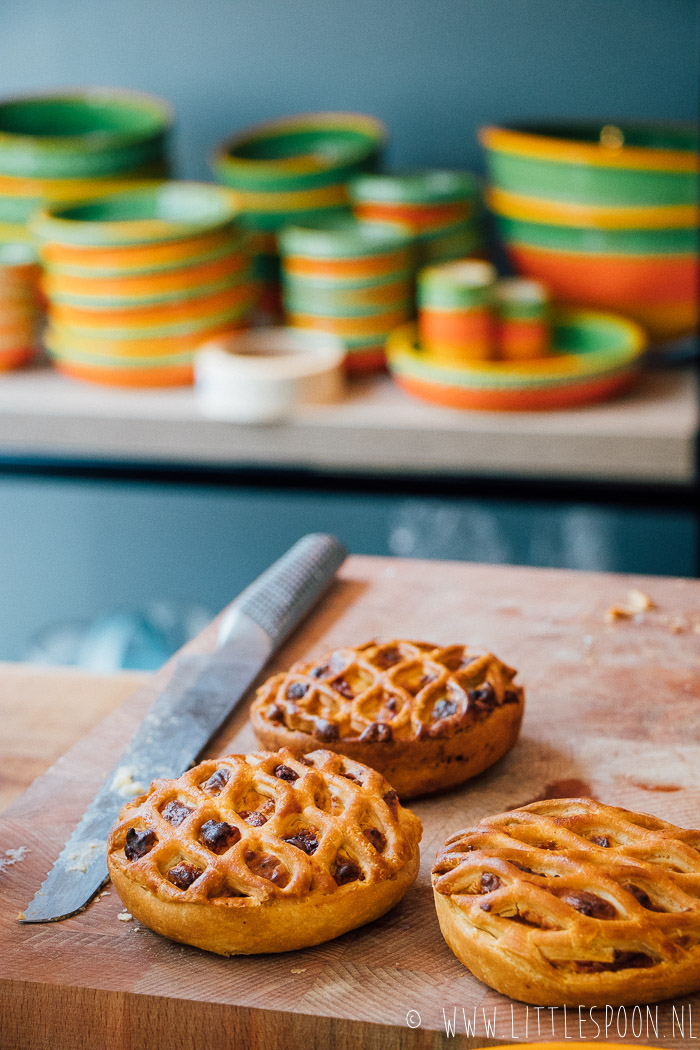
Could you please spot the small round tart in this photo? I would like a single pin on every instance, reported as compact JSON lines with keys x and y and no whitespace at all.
{"x":570,"y":902}
{"x":426,"y":717}
{"x":266,"y":852}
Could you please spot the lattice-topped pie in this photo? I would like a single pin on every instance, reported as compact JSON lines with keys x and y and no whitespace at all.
{"x":569,"y":902}
{"x":426,"y":717}
{"x":265,"y":852}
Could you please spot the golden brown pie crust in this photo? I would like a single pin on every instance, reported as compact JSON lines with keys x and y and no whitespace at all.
{"x":426,"y":717}
{"x":266,"y":852}
{"x":571,"y":902}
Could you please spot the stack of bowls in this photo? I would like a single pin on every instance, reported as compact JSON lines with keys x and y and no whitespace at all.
{"x":137,"y":280}
{"x":291,"y":170}
{"x":19,"y":304}
{"x":440,"y":208}
{"x":66,"y":147}
{"x":605,"y":216}
{"x":351,"y":279}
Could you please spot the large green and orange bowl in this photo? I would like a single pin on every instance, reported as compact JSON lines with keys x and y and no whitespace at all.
{"x":168,"y":211}
{"x":595,"y":163}
{"x":594,"y":356}
{"x":606,"y":215}
{"x":82,"y":134}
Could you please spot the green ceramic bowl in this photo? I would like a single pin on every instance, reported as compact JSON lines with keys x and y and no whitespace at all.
{"x":168,"y":211}
{"x":433,"y":186}
{"x":300,"y":152}
{"x":594,"y":355}
{"x":343,"y":237}
{"x":100,"y":131}
{"x":585,"y":344}
{"x":595,"y":163}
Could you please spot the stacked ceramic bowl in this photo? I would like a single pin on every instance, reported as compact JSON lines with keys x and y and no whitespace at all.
{"x":19,"y":304}
{"x":65,"y":147}
{"x":291,"y":170}
{"x":440,"y":208}
{"x":605,"y":216}
{"x":349,"y":278}
{"x":137,"y":280}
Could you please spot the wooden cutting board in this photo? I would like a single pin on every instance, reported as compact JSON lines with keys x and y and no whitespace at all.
{"x":613,"y":710}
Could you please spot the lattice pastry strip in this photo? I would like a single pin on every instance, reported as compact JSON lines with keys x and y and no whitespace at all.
{"x":573,"y":893}
{"x":410,"y":687}
{"x":361,"y":700}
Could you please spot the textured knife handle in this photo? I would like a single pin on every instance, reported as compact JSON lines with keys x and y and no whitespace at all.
{"x":282,"y":596}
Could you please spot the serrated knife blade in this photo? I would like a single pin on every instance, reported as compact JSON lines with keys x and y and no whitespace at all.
{"x":200,"y":695}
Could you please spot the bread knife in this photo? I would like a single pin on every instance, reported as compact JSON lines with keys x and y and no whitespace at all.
{"x":200,"y":695}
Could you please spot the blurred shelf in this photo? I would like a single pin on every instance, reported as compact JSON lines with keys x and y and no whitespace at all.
{"x":647,"y":437}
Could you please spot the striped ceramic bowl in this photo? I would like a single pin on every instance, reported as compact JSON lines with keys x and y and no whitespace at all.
{"x":69,"y":146}
{"x":351,"y":279}
{"x":593,"y":355}
{"x":606,"y":215}
{"x":292,"y":170}
{"x":442,"y":209}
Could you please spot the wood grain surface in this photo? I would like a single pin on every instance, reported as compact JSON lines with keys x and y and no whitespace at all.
{"x":44,"y":710}
{"x":613,"y":710}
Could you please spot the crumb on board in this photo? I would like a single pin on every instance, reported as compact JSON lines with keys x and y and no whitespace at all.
{"x":20,"y":916}
{"x":617,"y":612}
{"x":637,"y":603}
{"x":299,"y":969}
{"x":12,"y":856}
{"x":125,"y":916}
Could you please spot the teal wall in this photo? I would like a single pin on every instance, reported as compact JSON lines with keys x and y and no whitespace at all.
{"x":434,"y":71}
